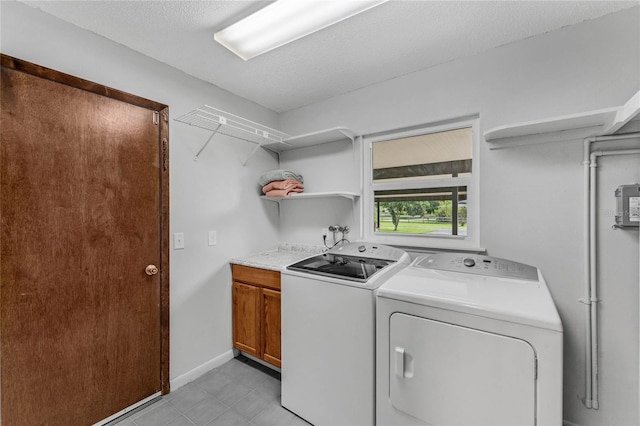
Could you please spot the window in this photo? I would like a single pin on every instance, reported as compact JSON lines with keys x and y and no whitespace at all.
{"x":422,"y":187}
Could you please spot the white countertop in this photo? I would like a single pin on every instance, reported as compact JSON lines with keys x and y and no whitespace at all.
{"x":279,"y":258}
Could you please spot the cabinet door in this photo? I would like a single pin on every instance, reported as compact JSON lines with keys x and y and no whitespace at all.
{"x":271,"y":326}
{"x":246,"y":318}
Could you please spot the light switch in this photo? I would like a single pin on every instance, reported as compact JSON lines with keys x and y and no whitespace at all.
{"x":178,"y":240}
{"x":213,"y":239}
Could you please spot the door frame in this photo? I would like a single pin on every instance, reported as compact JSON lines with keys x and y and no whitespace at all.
{"x":163,"y":145}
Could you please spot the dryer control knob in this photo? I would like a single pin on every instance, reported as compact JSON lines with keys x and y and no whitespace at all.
{"x":469,"y":262}
{"x":361,"y":248}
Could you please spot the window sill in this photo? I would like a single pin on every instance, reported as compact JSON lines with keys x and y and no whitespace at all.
{"x":420,"y":242}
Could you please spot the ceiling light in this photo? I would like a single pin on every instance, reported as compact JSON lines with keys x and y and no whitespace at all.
{"x":284,"y":21}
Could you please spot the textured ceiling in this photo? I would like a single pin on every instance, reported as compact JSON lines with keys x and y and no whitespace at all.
{"x":394,"y":39}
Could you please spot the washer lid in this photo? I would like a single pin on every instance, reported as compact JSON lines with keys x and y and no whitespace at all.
{"x":353,"y":268}
{"x":519,"y":301}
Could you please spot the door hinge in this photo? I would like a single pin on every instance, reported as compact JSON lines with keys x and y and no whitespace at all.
{"x":156,"y":117}
{"x":165,"y":154}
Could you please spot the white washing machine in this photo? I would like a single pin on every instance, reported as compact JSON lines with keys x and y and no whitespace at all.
{"x":328,"y":332}
{"x":468,"y":340}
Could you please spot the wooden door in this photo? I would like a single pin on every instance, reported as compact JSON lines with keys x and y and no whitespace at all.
{"x":84,"y":209}
{"x":271,"y":326}
{"x":246,"y":318}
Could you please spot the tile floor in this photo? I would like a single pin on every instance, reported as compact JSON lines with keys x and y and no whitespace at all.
{"x":240,"y":392}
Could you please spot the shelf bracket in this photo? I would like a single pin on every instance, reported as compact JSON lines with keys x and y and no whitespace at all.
{"x":253,"y":151}
{"x":207,"y":142}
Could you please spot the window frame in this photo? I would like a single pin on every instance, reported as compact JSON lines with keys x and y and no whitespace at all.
{"x":469,"y":242}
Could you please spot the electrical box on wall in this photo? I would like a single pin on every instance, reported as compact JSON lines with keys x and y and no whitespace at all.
{"x":628,"y":206}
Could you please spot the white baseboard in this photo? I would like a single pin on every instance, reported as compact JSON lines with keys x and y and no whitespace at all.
{"x":200,"y":370}
{"x":259,"y":361}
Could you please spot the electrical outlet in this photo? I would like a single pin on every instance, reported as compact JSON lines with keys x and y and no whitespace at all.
{"x":325,"y":231}
{"x":213,"y":238}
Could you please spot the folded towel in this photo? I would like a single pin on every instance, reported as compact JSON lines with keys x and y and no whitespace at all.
{"x":278,"y":193}
{"x":282,"y":184}
{"x":278,"y":175}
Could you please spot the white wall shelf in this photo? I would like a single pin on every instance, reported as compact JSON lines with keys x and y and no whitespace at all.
{"x":310,"y":195}
{"x":567,"y":127}
{"x":310,"y":139}
{"x":222,"y":122}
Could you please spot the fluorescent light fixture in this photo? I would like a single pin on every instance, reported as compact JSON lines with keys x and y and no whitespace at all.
{"x":284,"y":21}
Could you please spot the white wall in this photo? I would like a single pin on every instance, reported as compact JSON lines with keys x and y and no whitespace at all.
{"x":326,"y":168}
{"x":530,"y":197}
{"x":215,"y":193}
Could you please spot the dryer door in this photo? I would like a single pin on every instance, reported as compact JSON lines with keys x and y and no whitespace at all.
{"x":445,"y":374}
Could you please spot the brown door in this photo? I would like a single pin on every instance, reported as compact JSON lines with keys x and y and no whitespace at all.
{"x":83,"y":330}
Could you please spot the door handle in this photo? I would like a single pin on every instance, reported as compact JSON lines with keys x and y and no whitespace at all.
{"x":151,"y":270}
{"x":399,"y":362}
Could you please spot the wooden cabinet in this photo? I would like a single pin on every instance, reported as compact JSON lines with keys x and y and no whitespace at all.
{"x":256,"y":312}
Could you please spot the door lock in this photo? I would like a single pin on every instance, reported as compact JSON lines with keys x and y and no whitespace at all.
{"x":151,"y":270}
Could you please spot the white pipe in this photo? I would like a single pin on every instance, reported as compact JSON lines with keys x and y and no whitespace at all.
{"x":601,"y":153}
{"x":593,"y":296}
{"x":591,"y":312}
{"x":613,"y":137}
{"x":587,"y":273}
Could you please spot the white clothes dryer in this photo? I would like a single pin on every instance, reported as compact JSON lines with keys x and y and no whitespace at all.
{"x":468,"y":340}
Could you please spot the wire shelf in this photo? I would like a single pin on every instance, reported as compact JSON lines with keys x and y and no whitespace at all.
{"x":222,"y":122}
{"x":219,"y":121}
